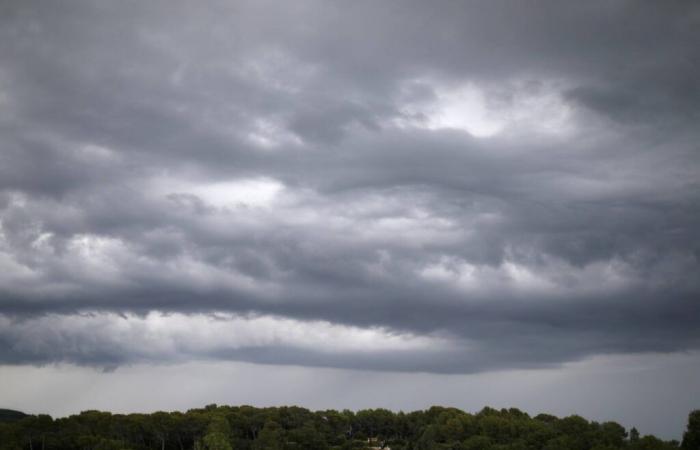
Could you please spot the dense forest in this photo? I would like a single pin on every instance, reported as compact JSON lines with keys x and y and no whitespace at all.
{"x":245,"y":427}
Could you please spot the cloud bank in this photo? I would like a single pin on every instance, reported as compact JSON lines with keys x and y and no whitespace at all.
{"x":451,"y":188}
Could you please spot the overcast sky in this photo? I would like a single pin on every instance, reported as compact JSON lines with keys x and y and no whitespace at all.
{"x":392,"y":203}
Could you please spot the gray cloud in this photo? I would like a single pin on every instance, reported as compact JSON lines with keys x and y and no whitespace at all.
{"x":520,"y":182}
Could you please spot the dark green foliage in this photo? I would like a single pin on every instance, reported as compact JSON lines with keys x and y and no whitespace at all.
{"x":293,"y":428}
{"x":691,"y":438}
{"x":10,"y":415}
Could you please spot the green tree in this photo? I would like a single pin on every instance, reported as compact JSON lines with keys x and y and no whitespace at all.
{"x":218,"y":435}
{"x":611,"y":434}
{"x":270,"y":437}
{"x":308,"y":438}
{"x":36,"y":429}
{"x":634,"y":435}
{"x":161,"y":424}
{"x":691,"y":437}
{"x":478,"y":443}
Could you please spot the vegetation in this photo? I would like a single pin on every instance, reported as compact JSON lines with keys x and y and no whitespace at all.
{"x":293,"y":428}
{"x":9,"y":415}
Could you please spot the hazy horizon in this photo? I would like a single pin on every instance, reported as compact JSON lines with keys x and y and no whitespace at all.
{"x":597,"y":390}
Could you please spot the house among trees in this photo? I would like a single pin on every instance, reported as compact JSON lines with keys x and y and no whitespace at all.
{"x":375,"y":444}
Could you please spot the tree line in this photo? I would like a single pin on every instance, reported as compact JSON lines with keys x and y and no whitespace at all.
{"x":293,"y":428}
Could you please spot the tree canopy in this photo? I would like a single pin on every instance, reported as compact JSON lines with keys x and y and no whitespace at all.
{"x":293,"y":428}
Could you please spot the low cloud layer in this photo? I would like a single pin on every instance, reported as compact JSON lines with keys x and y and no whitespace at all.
{"x":449,"y":188}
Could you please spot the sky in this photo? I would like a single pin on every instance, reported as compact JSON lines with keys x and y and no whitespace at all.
{"x":351,"y":204}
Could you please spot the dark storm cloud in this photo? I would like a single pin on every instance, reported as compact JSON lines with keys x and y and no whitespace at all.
{"x":303,"y":161}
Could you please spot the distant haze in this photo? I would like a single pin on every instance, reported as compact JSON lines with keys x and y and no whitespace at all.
{"x":391,"y":203}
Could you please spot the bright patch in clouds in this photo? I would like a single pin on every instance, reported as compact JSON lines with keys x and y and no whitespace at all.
{"x":551,"y":279}
{"x":484,"y":112}
{"x":169,"y":337}
{"x":247,"y":192}
{"x":463,"y":108}
{"x":269,"y":135}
